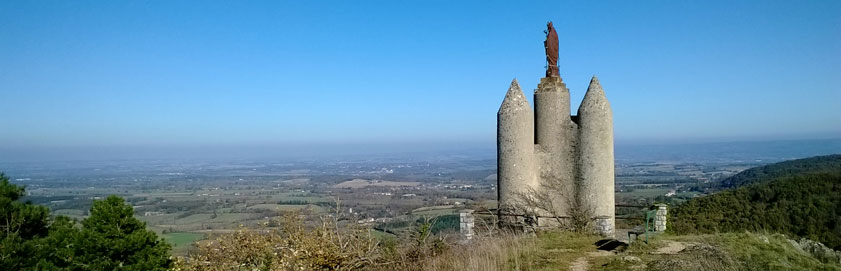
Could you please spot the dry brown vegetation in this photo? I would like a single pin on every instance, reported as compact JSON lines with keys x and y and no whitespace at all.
{"x":331,"y":245}
{"x":291,"y":246}
{"x":503,"y":252}
{"x":335,"y":246}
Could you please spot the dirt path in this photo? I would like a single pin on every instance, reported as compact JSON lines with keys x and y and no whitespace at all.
{"x":671,"y":247}
{"x":579,"y":264}
{"x":582,"y":263}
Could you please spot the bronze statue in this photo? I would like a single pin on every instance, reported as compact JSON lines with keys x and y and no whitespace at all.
{"x":551,"y":45}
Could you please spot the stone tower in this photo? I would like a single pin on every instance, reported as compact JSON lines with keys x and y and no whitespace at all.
{"x":552,"y":166}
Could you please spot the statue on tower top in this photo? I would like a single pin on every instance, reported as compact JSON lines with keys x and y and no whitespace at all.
{"x":551,"y":45}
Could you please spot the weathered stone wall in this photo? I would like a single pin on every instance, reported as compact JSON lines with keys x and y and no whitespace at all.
{"x":554,"y":133}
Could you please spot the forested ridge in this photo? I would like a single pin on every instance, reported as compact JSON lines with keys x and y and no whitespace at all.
{"x":817,"y":164}
{"x":796,"y":198}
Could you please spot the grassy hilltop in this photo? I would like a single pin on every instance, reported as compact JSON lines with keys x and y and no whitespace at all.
{"x":668,"y":252}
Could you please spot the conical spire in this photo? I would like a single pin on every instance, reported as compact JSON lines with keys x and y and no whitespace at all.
{"x":594,"y":85}
{"x":514,"y":97}
{"x":595,"y":99}
{"x":514,"y":89}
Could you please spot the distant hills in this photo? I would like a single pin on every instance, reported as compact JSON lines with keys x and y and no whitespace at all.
{"x":817,"y":164}
{"x":747,"y":152}
{"x":797,"y":198}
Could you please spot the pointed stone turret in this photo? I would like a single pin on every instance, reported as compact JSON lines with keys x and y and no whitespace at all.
{"x":595,"y":157}
{"x":594,"y":99}
{"x":515,"y":149}
{"x":514,"y":98}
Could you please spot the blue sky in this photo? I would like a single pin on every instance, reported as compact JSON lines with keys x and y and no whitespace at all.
{"x":193,"y":73}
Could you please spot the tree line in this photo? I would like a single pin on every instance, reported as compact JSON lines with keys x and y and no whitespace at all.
{"x":110,"y":238}
{"x":817,"y":164}
{"x":793,"y":203}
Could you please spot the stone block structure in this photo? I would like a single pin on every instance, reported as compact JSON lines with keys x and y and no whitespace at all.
{"x":466,"y":224}
{"x":660,"y":218}
{"x":553,"y":166}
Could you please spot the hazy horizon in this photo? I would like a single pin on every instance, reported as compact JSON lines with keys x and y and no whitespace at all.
{"x":687,"y":151}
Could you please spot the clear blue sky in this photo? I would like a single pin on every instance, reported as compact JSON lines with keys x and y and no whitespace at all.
{"x":172,"y":73}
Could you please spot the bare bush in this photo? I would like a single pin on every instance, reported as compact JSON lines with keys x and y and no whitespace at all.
{"x":292,"y":246}
{"x":545,"y":202}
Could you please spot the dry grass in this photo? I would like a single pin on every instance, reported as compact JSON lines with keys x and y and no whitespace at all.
{"x":504,"y":252}
{"x":724,"y":251}
{"x":550,"y":250}
{"x":292,"y":246}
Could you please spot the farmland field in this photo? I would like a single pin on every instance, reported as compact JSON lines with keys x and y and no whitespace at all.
{"x":182,"y":241}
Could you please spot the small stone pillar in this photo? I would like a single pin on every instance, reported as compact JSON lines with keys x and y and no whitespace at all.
{"x":466,"y":223}
{"x":660,"y":217}
{"x":604,"y":225}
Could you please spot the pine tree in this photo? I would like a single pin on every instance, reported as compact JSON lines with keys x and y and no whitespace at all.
{"x":20,"y":224}
{"x":113,"y":239}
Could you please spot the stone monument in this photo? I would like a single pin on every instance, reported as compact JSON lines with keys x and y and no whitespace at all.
{"x":546,"y":150}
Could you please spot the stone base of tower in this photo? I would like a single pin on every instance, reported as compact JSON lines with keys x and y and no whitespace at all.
{"x":604,"y":226}
{"x":516,"y":223}
{"x":525,"y":223}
